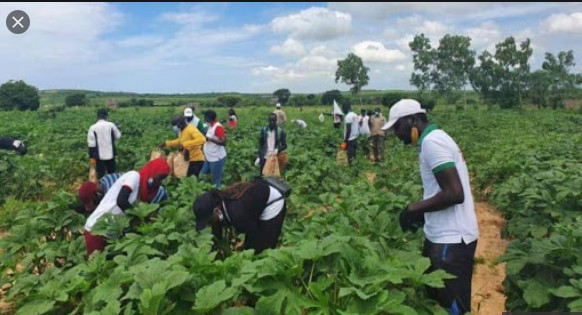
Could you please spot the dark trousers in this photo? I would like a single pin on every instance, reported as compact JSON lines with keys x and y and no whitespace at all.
{"x":352,"y":145}
{"x":194,"y":168}
{"x":378,"y":145}
{"x":105,"y":167}
{"x":267,"y":234}
{"x":456,"y":259}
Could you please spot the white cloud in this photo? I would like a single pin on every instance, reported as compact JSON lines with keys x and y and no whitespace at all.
{"x":564,"y":23}
{"x":400,"y":67}
{"x":403,"y":42}
{"x":314,"y":24}
{"x":391,"y":33}
{"x":194,"y":18}
{"x":434,"y":30}
{"x":141,"y":41}
{"x":457,"y":10}
{"x":290,"y":48}
{"x":485,"y":36}
{"x":376,"y":52}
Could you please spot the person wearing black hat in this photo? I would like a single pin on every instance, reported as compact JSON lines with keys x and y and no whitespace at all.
{"x":8,"y":143}
{"x":101,"y":141}
{"x":255,"y":208}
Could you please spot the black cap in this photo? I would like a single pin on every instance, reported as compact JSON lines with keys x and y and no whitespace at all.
{"x":203,"y":208}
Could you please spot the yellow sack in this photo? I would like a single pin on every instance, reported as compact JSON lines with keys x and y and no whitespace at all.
{"x":180,"y":165}
{"x":272,"y":167}
{"x":93,"y":174}
{"x":283,"y":158}
{"x":157,"y":154}
{"x":342,"y":158}
{"x":170,"y":161}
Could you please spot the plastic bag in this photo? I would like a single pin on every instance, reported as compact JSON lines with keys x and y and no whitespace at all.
{"x":93,"y":175}
{"x":180,"y":165}
{"x":157,"y":154}
{"x":272,"y":167}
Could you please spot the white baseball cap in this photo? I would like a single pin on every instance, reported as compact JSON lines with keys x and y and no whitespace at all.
{"x":188,"y":112}
{"x":402,"y":108}
{"x":278,"y":105}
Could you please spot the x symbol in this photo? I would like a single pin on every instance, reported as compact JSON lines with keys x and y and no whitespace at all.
{"x":17,"y":22}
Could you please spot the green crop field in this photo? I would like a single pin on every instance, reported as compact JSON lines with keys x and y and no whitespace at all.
{"x":342,"y":250}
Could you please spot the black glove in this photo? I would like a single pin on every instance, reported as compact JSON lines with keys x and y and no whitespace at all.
{"x":186,"y":155}
{"x":410,"y":221}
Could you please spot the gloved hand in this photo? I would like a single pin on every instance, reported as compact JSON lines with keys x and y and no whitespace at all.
{"x":410,"y":221}
{"x":343,"y":146}
{"x":275,"y":152}
{"x":93,"y":161}
{"x":257,"y":161}
{"x":161,"y":146}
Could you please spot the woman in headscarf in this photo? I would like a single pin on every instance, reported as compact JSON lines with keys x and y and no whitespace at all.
{"x":130,"y":187}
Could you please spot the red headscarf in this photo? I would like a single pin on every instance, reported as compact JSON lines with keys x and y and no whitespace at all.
{"x":87,"y":195}
{"x":151,"y":169}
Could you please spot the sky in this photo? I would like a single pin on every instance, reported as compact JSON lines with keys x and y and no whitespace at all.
{"x":258,"y":47}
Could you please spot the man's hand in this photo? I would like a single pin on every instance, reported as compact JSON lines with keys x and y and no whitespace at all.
{"x":162,"y":146}
{"x":93,"y":161}
{"x":410,"y":221}
{"x":344,"y":146}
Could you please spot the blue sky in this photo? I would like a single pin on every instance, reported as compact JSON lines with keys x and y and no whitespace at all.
{"x":257,"y":47}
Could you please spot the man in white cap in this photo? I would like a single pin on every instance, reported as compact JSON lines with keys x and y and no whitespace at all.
{"x":281,"y":117}
{"x":447,"y":209}
{"x":193,"y":120}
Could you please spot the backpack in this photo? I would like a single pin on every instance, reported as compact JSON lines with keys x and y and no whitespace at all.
{"x":282,"y":187}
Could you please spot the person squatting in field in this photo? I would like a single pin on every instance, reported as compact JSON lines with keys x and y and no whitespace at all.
{"x":8,"y":143}
{"x":90,"y":194}
{"x":447,"y":210}
{"x":255,"y":208}
{"x":131,"y":186}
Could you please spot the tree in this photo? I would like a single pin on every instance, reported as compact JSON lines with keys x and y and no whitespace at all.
{"x":329,"y":96}
{"x":18,"y":95}
{"x":229,"y":100}
{"x":454,"y":62}
{"x":352,"y":72}
{"x":539,"y":88}
{"x":282,"y":95}
{"x":560,"y":81}
{"x":391,"y":98}
{"x":76,"y":99}
{"x":423,"y":58}
{"x":502,"y":79}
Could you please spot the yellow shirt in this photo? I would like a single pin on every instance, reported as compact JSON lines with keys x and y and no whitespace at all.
{"x":192,"y":140}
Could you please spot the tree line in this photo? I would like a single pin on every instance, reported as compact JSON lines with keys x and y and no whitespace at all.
{"x":502,"y":78}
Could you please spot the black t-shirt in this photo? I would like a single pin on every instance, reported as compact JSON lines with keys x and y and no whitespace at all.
{"x":244,"y":213}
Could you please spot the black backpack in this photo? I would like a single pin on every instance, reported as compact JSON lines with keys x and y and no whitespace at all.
{"x":282,"y":187}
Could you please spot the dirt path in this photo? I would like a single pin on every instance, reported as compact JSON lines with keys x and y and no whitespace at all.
{"x":487,"y":288}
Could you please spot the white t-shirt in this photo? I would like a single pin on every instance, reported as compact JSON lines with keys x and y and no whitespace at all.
{"x":301,"y":123}
{"x":212,"y":151}
{"x":352,"y":118}
{"x":365,"y":128}
{"x":273,"y":209}
{"x":270,"y":143}
{"x":101,"y":135}
{"x":109,"y":202}
{"x":458,"y":223}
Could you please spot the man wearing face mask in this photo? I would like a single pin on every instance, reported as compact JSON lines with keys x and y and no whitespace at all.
{"x":272,"y":141}
{"x":190,"y":141}
{"x":447,"y":209}
{"x":376,"y":123}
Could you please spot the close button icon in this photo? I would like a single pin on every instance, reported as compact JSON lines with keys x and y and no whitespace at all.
{"x":17,"y":22}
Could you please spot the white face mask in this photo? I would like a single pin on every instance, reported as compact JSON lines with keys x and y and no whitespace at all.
{"x":176,"y":130}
